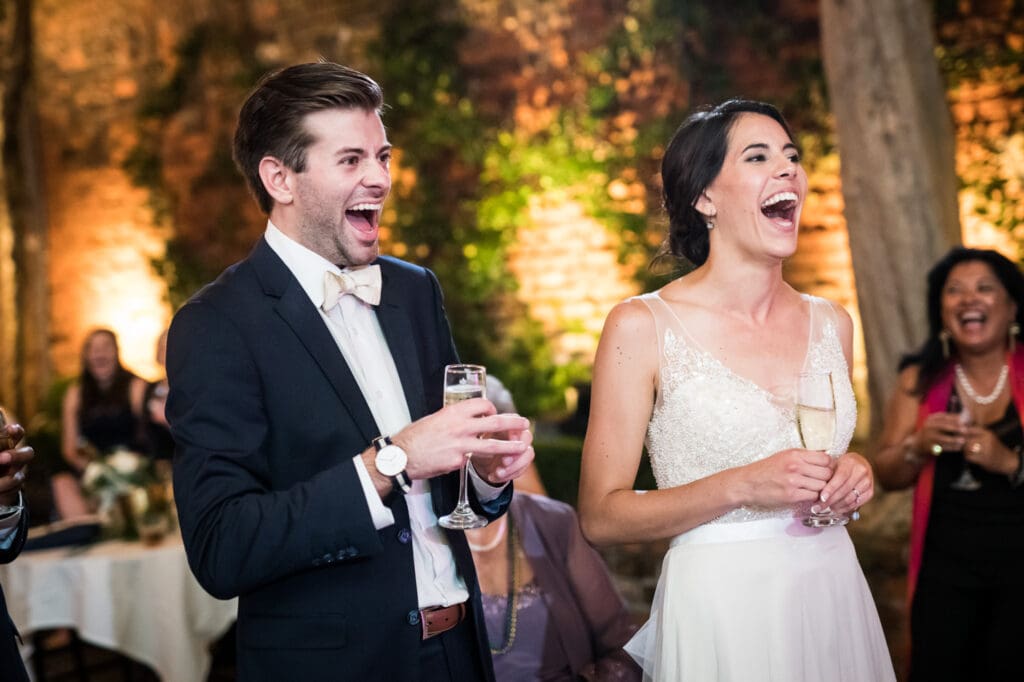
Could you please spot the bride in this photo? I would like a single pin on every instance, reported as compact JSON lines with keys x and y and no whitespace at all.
{"x":702,"y":373}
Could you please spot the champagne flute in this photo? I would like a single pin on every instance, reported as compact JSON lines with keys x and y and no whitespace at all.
{"x":6,"y":443}
{"x":463,"y":382}
{"x":966,"y":482}
{"x":816,"y":421}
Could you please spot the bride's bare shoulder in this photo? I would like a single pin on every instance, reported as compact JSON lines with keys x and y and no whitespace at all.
{"x":632,"y":316}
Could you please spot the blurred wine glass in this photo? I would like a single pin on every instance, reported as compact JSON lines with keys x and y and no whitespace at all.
{"x":966,"y":481}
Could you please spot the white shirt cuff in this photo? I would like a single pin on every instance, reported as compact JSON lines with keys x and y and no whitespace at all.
{"x":9,"y":523}
{"x":485,"y":492}
{"x":381,"y":515}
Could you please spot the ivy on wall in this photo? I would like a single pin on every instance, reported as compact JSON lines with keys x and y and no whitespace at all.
{"x":441,"y":139}
{"x":205,"y":206}
{"x":981,"y":58}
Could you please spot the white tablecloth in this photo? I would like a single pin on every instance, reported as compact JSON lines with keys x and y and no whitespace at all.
{"x":141,"y":601}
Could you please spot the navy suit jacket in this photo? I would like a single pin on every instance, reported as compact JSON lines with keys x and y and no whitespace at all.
{"x":267,"y":419}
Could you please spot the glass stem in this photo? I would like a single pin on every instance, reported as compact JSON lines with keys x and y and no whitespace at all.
{"x":463,"y":492}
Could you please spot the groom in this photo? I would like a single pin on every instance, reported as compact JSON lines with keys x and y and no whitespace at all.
{"x":313,"y":456}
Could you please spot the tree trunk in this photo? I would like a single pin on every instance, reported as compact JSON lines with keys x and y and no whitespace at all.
{"x":896,"y":142}
{"x":24,"y":313}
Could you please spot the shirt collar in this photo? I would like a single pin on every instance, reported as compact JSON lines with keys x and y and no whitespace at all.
{"x":307,"y":266}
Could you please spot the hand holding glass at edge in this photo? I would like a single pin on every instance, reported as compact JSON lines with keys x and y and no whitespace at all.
{"x":7,"y":443}
{"x":816,"y":421}
{"x":463,"y":382}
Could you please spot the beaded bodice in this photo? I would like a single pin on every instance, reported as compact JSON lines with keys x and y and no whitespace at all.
{"x":707,"y":418}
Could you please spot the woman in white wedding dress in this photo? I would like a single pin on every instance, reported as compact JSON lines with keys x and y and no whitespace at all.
{"x":703,"y":372}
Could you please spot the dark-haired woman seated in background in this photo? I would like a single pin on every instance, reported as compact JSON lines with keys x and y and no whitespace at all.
{"x":101,"y":412}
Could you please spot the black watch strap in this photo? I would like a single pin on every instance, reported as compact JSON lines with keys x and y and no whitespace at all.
{"x":401,"y":483}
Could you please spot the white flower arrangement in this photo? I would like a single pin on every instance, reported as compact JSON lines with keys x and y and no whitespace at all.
{"x":122,"y":473}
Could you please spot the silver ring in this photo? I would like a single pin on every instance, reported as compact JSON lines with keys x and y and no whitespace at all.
{"x":856,"y":495}
{"x":19,"y":475}
{"x":975,"y":447}
{"x":936,"y":449}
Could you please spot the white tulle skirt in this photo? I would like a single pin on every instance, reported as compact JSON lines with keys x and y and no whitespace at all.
{"x":762,"y":600}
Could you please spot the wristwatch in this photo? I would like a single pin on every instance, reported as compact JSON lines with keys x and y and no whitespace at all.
{"x":390,"y":461}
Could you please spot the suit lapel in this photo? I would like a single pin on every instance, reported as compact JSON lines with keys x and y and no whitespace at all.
{"x":298,"y":312}
{"x":394,"y":322}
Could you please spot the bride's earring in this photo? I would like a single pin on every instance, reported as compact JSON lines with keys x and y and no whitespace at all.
{"x":944,"y":340}
{"x":709,"y":218}
{"x":1014,"y":331}
{"x":706,"y":209}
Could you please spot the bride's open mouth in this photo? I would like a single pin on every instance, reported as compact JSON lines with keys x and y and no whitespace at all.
{"x":781,"y":207}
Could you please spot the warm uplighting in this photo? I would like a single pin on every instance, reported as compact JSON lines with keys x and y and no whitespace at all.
{"x":569,"y":275}
{"x":102,"y":242}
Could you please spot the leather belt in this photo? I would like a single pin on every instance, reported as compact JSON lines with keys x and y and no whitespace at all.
{"x":438,"y":619}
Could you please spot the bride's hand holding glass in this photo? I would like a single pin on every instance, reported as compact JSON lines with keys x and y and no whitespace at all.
{"x":851,"y":486}
{"x":788,"y":478}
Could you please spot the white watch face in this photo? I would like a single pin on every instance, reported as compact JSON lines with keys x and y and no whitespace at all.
{"x":390,"y":460}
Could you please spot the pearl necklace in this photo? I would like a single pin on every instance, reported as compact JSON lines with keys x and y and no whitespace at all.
{"x":961,"y":378}
{"x":493,"y":543}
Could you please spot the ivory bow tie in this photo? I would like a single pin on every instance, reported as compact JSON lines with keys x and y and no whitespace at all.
{"x":363,"y":283}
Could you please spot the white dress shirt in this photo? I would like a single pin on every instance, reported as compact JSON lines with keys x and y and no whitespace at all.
{"x":354,"y":326}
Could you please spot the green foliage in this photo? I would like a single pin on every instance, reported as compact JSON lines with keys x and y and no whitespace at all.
{"x":43,"y":433}
{"x":184,"y":267}
{"x":558,"y":465}
{"x":981,"y":56}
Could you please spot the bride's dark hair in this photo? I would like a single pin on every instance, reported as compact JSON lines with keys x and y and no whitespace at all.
{"x":692,"y":161}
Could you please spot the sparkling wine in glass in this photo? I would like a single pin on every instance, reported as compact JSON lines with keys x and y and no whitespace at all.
{"x":816,"y":421}
{"x":6,"y":443}
{"x":966,"y":482}
{"x":463,"y":382}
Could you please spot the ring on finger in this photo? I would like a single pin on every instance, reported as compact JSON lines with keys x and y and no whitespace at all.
{"x":936,"y":449}
{"x":856,"y":496}
{"x":975,"y":447}
{"x":19,"y":476}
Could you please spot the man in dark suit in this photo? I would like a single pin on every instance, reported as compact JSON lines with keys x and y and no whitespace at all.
{"x":313,"y":455}
{"x":13,"y":531}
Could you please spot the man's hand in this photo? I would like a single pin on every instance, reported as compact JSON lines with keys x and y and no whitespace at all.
{"x":12,"y":463}
{"x":500,"y":469}
{"x":438,"y":443}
